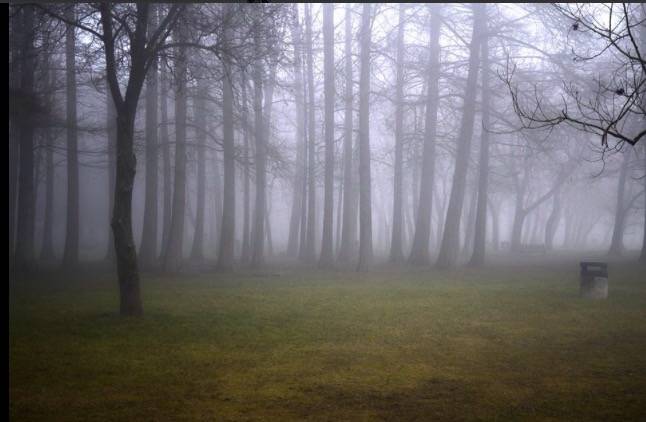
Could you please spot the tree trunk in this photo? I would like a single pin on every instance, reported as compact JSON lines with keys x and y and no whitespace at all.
{"x":24,"y":258}
{"x":327,"y":251}
{"x":257,"y":251}
{"x":299,"y":173}
{"x":310,"y":249}
{"x":199,"y":111}
{"x":480,"y":236}
{"x":617,"y":244}
{"x":47,"y":251}
{"x":348,"y":232}
{"x":553,"y":222}
{"x":148,"y":249}
{"x":174,"y":249}
{"x":419,"y":254}
{"x":396,"y":251}
{"x":227,"y":228}
{"x":365,"y":202}
{"x":71,"y":251}
{"x":451,"y":237}
{"x":246,"y":241}
{"x":167,"y":175}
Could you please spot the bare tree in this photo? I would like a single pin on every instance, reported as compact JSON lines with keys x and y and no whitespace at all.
{"x":365,"y":202}
{"x":327,"y":253}
{"x":419,"y":254}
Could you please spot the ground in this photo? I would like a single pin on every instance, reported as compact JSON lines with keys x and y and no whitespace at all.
{"x":510,"y":342}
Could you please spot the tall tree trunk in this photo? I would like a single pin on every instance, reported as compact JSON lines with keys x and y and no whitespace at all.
{"x":148,"y":249}
{"x":174,"y":249}
{"x":24,"y":257}
{"x":479,"y":240}
{"x":111,"y":127}
{"x":419,"y":254}
{"x":257,"y":251}
{"x":495,"y":223}
{"x":47,"y":251}
{"x":227,"y":228}
{"x":327,"y":251}
{"x":348,"y":233}
{"x":246,"y":220}
{"x":71,"y":251}
{"x":553,"y":222}
{"x":617,"y":244}
{"x":451,"y":237}
{"x":217,"y":197}
{"x":299,"y":173}
{"x":642,"y":256}
{"x":167,"y":174}
{"x":310,"y":249}
{"x":365,"y":202}
{"x":16,"y":45}
{"x":199,"y":111}
{"x":396,"y":251}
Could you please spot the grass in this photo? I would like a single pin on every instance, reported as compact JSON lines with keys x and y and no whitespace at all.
{"x":503,"y":343}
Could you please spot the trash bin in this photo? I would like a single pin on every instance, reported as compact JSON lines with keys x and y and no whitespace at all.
{"x":594,"y":280}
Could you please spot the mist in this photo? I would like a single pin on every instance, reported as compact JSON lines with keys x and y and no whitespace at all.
{"x":175,"y":163}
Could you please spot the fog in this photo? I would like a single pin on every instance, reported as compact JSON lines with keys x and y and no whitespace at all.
{"x":359,"y":166}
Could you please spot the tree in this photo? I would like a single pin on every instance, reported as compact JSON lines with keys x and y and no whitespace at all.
{"x":365,"y":202}
{"x":257,"y":247}
{"x":478,"y":257}
{"x":617,"y":244}
{"x":174,"y":248}
{"x":600,"y":107}
{"x":348,"y":232}
{"x":451,"y":236}
{"x":327,"y":253}
{"x":299,"y":173}
{"x":419,"y":254}
{"x":199,"y":107}
{"x":227,"y":228}
{"x":70,"y":255}
{"x":148,"y":250}
{"x":24,"y":254}
{"x":310,"y":252}
{"x":396,"y":252}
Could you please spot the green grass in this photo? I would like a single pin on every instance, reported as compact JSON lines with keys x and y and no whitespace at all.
{"x":504,"y":343}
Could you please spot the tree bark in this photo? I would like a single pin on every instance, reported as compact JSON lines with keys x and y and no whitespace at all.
{"x":327,"y":251}
{"x":71,"y":251}
{"x":396,"y":251}
{"x":617,"y":244}
{"x":199,"y":107}
{"x":419,"y":254}
{"x":553,"y":222}
{"x":167,"y":174}
{"x":450,"y":246}
{"x":480,"y":236}
{"x":24,"y":255}
{"x":299,"y":173}
{"x":365,"y":202}
{"x":148,"y":249}
{"x":47,"y":251}
{"x":246,"y":220}
{"x":348,"y":232}
{"x":257,"y":252}
{"x":174,"y":249}
{"x":310,"y":249}
{"x":227,"y":228}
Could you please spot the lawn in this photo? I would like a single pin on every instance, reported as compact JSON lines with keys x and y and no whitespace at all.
{"x":503,"y":343}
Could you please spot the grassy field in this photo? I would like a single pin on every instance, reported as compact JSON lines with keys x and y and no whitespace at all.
{"x":503,"y":343}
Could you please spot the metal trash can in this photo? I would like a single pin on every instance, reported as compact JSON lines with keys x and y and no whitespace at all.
{"x":594,"y":280}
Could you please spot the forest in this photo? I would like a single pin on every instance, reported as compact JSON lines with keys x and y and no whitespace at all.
{"x":282,"y":211}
